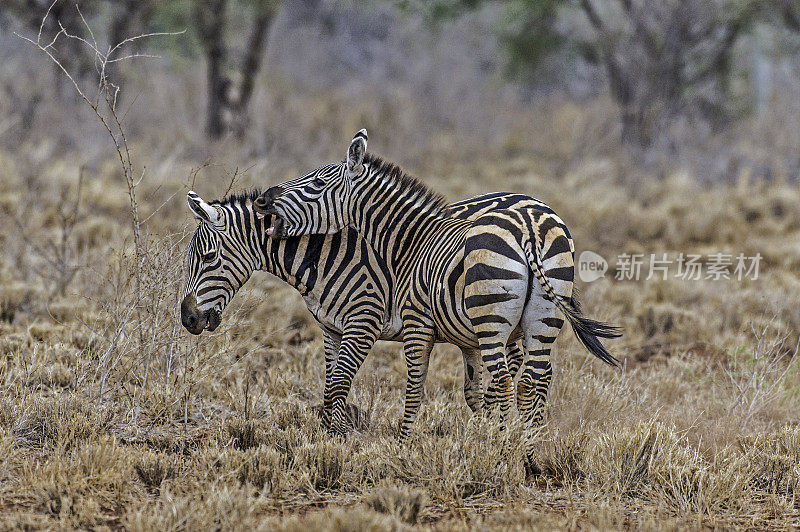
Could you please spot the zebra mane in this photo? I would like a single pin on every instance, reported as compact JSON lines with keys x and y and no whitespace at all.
{"x":428,"y":198}
{"x":241,"y":197}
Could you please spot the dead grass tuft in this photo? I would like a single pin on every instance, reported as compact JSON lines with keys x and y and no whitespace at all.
{"x":401,"y":502}
{"x":265,"y":469}
{"x":154,"y":468}
{"x":323,"y":463}
{"x":59,"y":422}
{"x":245,"y":433}
{"x":773,"y":461}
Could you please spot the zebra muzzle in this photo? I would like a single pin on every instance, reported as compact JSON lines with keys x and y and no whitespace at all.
{"x":195,"y":320}
{"x":277,"y":229}
{"x":264,"y":203}
{"x":264,"y":206}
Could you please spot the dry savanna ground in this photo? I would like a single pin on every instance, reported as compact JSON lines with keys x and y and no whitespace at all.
{"x":112,"y":416}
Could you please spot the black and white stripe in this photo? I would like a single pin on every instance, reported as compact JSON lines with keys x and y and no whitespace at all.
{"x":482,"y":284}
{"x":345,"y":285}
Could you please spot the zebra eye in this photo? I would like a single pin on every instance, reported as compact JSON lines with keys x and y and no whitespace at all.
{"x":319,"y":182}
{"x":208,"y":257}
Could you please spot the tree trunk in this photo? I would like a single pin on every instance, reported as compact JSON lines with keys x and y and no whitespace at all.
{"x":209,"y":19}
{"x":227,"y":111}
{"x":251,"y":64}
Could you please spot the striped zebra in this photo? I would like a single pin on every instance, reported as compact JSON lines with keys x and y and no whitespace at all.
{"x":345,"y":286}
{"x":479,"y":284}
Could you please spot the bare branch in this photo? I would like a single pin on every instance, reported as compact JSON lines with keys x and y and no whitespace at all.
{"x":86,"y":24}
{"x":44,"y":20}
{"x":107,"y":94}
{"x":143,"y":36}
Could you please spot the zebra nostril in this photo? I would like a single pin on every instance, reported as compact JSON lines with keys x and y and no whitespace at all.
{"x":190,"y":321}
{"x":189,"y":315}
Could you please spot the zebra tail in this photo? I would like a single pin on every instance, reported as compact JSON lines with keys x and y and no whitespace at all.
{"x":587,"y":330}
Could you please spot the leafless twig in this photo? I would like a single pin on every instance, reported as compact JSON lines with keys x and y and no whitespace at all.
{"x":104,"y":105}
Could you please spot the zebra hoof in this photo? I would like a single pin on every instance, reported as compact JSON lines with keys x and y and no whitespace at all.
{"x":532,"y":471}
{"x":345,"y":419}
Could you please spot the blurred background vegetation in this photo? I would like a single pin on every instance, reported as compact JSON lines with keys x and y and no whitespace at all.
{"x":671,"y":75}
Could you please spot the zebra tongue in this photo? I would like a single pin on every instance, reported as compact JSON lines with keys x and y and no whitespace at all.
{"x":271,"y":230}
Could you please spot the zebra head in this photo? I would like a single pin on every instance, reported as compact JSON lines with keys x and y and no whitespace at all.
{"x":318,"y":202}
{"x":218,"y":263}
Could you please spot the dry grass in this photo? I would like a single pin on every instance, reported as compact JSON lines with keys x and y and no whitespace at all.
{"x":111,"y":420}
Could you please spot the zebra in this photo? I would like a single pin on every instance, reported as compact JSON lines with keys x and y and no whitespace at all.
{"x":345,"y":286}
{"x":482,"y":283}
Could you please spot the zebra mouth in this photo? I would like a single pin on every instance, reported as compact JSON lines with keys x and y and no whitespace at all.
{"x":213,"y":319}
{"x":196,"y":323}
{"x":195,"y":320}
{"x":278,"y":228}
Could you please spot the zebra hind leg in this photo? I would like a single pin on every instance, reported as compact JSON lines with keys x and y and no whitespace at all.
{"x":493,"y":353}
{"x":473,"y":387}
{"x":494,"y":313}
{"x":541,"y":325}
{"x":514,"y":358}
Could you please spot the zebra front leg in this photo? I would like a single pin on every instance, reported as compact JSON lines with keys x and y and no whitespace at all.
{"x":356,"y":344}
{"x":417,"y":344}
{"x":330,"y":342}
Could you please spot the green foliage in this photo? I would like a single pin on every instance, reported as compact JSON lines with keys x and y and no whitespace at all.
{"x":528,"y":33}
{"x":526,"y":27}
{"x":173,"y":16}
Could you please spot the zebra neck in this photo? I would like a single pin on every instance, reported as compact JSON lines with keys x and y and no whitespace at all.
{"x":272,"y":257}
{"x":394,"y":221}
{"x":244,"y":239}
{"x":294,"y":260}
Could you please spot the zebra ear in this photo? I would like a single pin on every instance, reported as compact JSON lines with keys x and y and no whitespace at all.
{"x":201,"y":209}
{"x":355,"y":153}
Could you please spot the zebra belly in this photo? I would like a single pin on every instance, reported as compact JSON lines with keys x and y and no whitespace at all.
{"x":392,"y":330}
{"x":447,"y":306}
{"x":334,"y":321}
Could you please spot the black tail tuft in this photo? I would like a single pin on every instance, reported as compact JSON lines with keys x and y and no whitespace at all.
{"x":585,"y":329}
{"x":590,"y":331}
